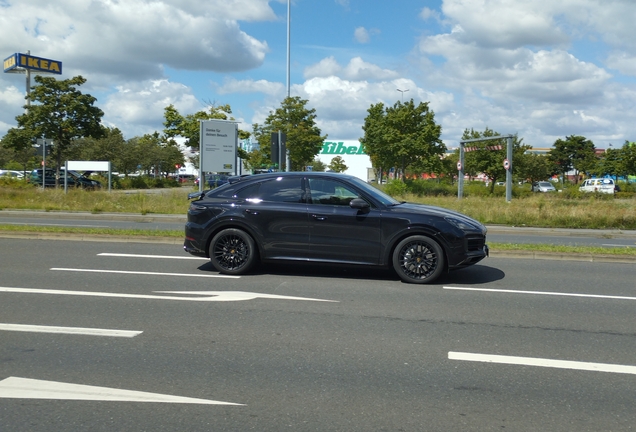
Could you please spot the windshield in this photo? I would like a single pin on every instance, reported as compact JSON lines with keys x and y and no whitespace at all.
{"x":375,"y":193}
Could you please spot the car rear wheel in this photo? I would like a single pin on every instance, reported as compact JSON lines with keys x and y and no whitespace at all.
{"x":232,"y":251}
{"x":418,"y":259}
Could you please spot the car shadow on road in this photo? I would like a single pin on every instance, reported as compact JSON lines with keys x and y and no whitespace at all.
{"x":477,"y":274}
{"x":473,"y":275}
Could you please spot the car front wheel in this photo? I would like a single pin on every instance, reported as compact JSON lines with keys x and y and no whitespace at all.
{"x":418,"y":259}
{"x":232,"y":251}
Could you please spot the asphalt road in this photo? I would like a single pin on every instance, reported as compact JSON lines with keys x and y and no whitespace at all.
{"x":508,"y":344}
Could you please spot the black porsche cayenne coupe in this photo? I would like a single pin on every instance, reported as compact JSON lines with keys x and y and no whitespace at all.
{"x":328,"y":218}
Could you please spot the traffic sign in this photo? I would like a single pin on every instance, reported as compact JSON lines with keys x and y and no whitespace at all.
{"x":459,"y":166}
{"x":506,"y":164}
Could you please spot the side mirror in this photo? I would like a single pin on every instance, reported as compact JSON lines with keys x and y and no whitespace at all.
{"x":359,"y":204}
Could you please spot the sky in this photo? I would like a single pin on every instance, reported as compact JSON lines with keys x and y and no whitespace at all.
{"x":540,"y":69}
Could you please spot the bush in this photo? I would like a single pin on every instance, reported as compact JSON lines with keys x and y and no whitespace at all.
{"x":396,"y":188}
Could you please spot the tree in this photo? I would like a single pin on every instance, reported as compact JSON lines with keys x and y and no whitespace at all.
{"x":404,"y":136}
{"x":59,"y":111}
{"x":533,"y":167}
{"x":448,"y":168}
{"x":188,"y":126}
{"x":158,"y":154}
{"x":18,"y":146}
{"x":574,"y":153}
{"x":298,"y":123}
{"x":610,"y":163}
{"x":337,"y":164}
{"x":107,"y":148}
{"x":318,"y":165}
{"x":489,"y":161}
{"x":628,"y":153}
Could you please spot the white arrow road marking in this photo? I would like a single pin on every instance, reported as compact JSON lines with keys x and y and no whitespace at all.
{"x":69,"y":330}
{"x":541,"y":293}
{"x":25,"y":388}
{"x":146,"y":273}
{"x":242,"y":295}
{"x":152,"y":256}
{"x":541,"y":362}
{"x":209,"y":296}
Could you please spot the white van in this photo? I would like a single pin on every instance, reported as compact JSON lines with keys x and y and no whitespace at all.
{"x":601,"y":185}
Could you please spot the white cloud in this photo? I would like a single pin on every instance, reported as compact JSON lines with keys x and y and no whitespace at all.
{"x":361,"y":35}
{"x":623,"y":62}
{"x":356,"y":69}
{"x":141,"y":105}
{"x":324,"y":68}
{"x":133,"y":38}
{"x":250,"y":86}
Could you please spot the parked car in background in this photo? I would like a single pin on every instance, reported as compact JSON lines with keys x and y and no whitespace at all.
{"x":18,"y":175}
{"x":327,"y":218}
{"x":74,"y":179}
{"x":543,"y":186}
{"x":216,"y":180}
{"x":600,"y":185}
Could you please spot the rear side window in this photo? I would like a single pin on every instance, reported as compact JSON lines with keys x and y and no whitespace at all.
{"x":287,"y":190}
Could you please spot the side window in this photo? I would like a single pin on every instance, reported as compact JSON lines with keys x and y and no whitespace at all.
{"x":330,"y":192}
{"x":282,"y":189}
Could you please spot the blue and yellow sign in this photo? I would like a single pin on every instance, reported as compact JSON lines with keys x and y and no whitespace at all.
{"x":38,"y":64}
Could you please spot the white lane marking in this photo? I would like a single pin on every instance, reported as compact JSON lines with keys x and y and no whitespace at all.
{"x":145,"y":273}
{"x":541,"y":362}
{"x":541,"y":293}
{"x":26,"y":388}
{"x":56,"y":225}
{"x":208,"y":296}
{"x":69,"y":330}
{"x":152,"y":256}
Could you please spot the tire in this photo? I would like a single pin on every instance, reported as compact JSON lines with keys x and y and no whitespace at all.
{"x":232,"y":251}
{"x":418,"y":259}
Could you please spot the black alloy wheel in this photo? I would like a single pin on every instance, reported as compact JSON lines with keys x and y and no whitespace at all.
{"x":418,"y":259}
{"x":232,"y":251}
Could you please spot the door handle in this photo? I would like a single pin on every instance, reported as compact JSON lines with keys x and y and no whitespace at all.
{"x":250,"y":211}
{"x":320,"y":218}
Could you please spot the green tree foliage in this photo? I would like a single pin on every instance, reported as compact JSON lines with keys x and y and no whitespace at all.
{"x":337,"y":164}
{"x":304,"y":141}
{"x":610,"y":163}
{"x":628,"y":154}
{"x":107,"y":148}
{"x":188,"y":126}
{"x":158,"y":154}
{"x":488,"y":161}
{"x":448,"y":170}
{"x":59,"y":111}
{"x":574,"y":153}
{"x":318,"y":165}
{"x":17,"y":145}
{"x":533,"y":167}
{"x":403,"y":135}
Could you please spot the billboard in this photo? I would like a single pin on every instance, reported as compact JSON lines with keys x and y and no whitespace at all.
{"x":18,"y":62}
{"x":357,"y":161}
{"x":218,"y":141}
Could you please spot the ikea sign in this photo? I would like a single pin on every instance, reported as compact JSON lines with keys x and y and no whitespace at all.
{"x":19,"y":61}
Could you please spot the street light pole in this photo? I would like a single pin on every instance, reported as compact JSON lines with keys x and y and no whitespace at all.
{"x":402,"y":91}
{"x":288,"y":45}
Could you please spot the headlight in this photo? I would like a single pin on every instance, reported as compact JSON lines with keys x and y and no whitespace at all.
{"x":462,"y":224}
